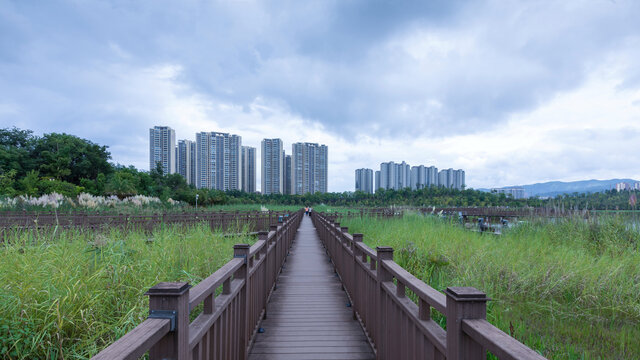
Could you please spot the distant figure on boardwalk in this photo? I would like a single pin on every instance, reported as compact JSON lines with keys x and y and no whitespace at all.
{"x":306,"y":210}
{"x":310,"y":210}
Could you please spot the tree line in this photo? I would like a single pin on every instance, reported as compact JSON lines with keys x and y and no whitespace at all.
{"x":69,"y":165}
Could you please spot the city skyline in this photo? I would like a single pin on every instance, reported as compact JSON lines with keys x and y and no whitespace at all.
{"x":480,"y":85}
{"x":220,"y":161}
{"x":398,"y":176}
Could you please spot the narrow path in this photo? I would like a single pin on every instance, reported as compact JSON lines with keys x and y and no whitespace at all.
{"x":308,"y":317}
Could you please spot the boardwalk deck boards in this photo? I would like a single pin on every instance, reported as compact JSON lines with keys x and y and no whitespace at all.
{"x":307,"y":316}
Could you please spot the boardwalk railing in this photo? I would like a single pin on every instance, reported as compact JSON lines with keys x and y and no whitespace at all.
{"x":495,"y":211}
{"x":228,"y":320}
{"x":397,"y":327}
{"x":22,"y":221}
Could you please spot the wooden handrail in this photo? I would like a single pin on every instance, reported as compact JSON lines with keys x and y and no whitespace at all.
{"x":209,"y":285}
{"x":137,"y":341}
{"x":201,"y":325}
{"x":497,"y":341}
{"x":433,"y":297}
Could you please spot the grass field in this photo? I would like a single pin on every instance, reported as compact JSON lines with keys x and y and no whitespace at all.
{"x":570,"y":290}
{"x":69,"y":297}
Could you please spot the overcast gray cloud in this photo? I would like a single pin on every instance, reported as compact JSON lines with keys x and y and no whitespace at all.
{"x":511,"y":91}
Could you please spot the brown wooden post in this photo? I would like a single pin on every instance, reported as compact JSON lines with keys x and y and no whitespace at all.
{"x":242,"y":251}
{"x":344,"y":257}
{"x":382,"y":275}
{"x":464,"y":303}
{"x":264,"y":235}
{"x":171,"y":300}
{"x":357,"y":238}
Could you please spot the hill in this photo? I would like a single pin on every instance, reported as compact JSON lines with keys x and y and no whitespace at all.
{"x":554,"y":188}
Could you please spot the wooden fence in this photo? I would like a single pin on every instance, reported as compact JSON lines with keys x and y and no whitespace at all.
{"x":228,"y":320}
{"x":495,"y":212}
{"x":12,"y":222}
{"x":397,"y":327}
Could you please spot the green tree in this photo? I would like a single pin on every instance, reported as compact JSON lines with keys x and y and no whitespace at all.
{"x":122,"y":184}
{"x":30,"y":182}
{"x":7,"y":182}
{"x":70,"y":158}
{"x":16,"y":151}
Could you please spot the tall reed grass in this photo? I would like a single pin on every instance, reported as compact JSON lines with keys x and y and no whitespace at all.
{"x":70,"y":296}
{"x":568,"y":289}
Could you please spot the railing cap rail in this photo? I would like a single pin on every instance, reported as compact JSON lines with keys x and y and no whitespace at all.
{"x":497,"y":341}
{"x":169,"y":289}
{"x":433,"y":297}
{"x":465,"y":293}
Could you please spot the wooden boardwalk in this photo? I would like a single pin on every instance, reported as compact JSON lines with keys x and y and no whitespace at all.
{"x":307,"y":315}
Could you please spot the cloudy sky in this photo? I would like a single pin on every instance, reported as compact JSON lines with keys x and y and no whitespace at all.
{"x":512,"y":92}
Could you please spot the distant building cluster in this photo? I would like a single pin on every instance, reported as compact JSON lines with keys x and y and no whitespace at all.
{"x":218,"y":160}
{"x":623,"y":186}
{"x":401,"y":175}
{"x":514,"y":192}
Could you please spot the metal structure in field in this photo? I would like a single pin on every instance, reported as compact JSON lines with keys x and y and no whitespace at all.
{"x":308,"y":289}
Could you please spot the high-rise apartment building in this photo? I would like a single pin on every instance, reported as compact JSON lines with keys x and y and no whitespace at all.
{"x":395,"y":176}
{"x":404,"y":175}
{"x":287,"y":174}
{"x":364,"y":180}
{"x":446,"y":178}
{"x":272,"y":167}
{"x":248,"y":169}
{"x":399,"y":176}
{"x":186,"y":160}
{"x":458,"y":179}
{"x":388,"y":175}
{"x":423,"y":177}
{"x":309,"y":171}
{"x":218,"y":161}
{"x":162,"y":145}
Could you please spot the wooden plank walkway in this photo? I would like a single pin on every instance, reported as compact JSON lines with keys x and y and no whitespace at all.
{"x":308,"y":317}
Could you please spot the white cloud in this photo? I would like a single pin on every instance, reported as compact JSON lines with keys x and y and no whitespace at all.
{"x":512,"y":92}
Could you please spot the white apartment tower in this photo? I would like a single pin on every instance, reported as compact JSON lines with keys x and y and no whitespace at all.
{"x":364,"y":180}
{"x":309,"y":171}
{"x":219,"y":158}
{"x":388,"y":175}
{"x":446,"y":178}
{"x":423,"y":177}
{"x":248,"y":169}
{"x":458,"y":179}
{"x":395,"y":176}
{"x":162,"y":144}
{"x":186,"y":160}
{"x":272,"y":167}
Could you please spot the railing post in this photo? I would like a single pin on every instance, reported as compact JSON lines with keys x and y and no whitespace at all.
{"x":264,"y":236}
{"x":171,"y":300}
{"x":357,"y":292}
{"x":242,"y":251}
{"x":464,"y":303}
{"x":382,"y":275}
{"x":344,"y":255}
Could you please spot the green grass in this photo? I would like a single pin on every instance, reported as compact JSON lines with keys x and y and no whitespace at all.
{"x":72,"y":296}
{"x":570,"y":290}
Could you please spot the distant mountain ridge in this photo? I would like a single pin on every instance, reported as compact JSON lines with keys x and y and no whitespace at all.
{"x":554,"y":188}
